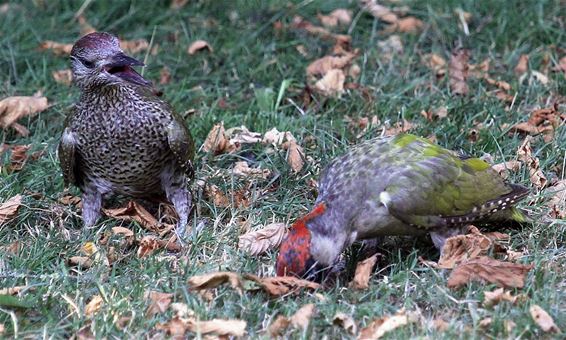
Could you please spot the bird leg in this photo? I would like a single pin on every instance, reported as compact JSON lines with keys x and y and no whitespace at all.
{"x":92,"y":202}
{"x":182,"y":201}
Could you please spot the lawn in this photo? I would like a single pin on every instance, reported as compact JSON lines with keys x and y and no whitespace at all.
{"x":255,"y":76}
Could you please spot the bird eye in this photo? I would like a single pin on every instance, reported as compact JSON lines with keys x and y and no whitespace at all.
{"x":88,"y":64}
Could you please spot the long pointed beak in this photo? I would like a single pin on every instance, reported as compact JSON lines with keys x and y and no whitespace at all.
{"x":120,"y":65}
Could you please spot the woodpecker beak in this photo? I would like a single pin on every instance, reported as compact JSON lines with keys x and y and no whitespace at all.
{"x":120,"y":65}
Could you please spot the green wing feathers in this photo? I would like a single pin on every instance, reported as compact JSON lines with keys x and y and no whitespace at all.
{"x":451,"y":190}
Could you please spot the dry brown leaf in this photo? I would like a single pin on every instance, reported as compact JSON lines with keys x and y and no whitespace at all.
{"x":524,"y":154}
{"x":176,"y":328}
{"x":460,"y":248}
{"x":13,"y":290}
{"x":380,"y":12}
{"x":64,"y":77}
{"x":391,"y":47}
{"x":399,"y":127}
{"x":363,"y":273}
{"x":56,"y":48}
{"x":178,"y":4}
{"x":337,"y":17}
{"x":122,"y":231}
{"x":542,"y":121}
{"x":259,"y":241}
{"x":332,"y":84}
{"x":440,"y":325}
{"x":281,"y":285}
{"x":503,"y":274}
{"x":199,"y":46}
{"x":339,"y":39}
{"x":220,"y":327}
{"x":494,"y":297}
{"x":19,"y":157}
{"x":242,"y":169}
{"x":302,"y":317}
{"x":557,"y":202}
{"x":345,"y":321}
{"x":504,"y":168}
{"x":458,"y":72}
{"x":9,"y":209}
{"x":379,"y":327}
{"x":216,"y":140}
{"x":164,"y":76}
{"x":158,"y":302}
{"x":277,"y":327}
{"x":135,"y":212}
{"x":561,"y":67}
{"x":543,"y":319}
{"x":94,"y":305}
{"x":80,"y":261}
{"x":134,"y":46}
{"x":213,"y":280}
{"x":241,"y":135}
{"x":436,"y":63}
{"x":148,"y":244}
{"x":218,"y":197}
{"x":14,"y":108}
{"x":322,"y":66}
{"x":522,"y":65}
{"x":503,"y":85}
{"x":2,"y":328}
{"x":406,"y":25}
{"x":295,"y":154}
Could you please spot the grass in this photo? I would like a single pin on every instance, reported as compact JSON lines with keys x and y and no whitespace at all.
{"x":251,"y":60}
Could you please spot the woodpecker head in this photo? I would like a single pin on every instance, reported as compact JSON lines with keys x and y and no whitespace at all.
{"x":98,"y":60}
{"x":295,"y":255}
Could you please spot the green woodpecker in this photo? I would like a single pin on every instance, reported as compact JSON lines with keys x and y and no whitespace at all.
{"x":399,"y":185}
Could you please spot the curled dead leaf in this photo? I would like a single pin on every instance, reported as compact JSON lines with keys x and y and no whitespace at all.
{"x":504,"y":168}
{"x":281,"y":285}
{"x":301,"y":23}
{"x":379,"y":327}
{"x":460,"y":248}
{"x":295,"y":155}
{"x":436,"y":63}
{"x":494,"y":297}
{"x":300,"y":320}
{"x":158,"y":302}
{"x":277,"y":327}
{"x":64,"y":77}
{"x":503,"y":274}
{"x":80,"y":261}
{"x":379,"y":11}
{"x":322,"y":66}
{"x":399,"y":127}
{"x":259,"y":241}
{"x":199,"y":46}
{"x":56,"y":48}
{"x":345,"y":321}
{"x":149,"y":244}
{"x":337,"y":17}
{"x":522,"y":65}
{"x":216,"y":140}
{"x":524,"y":154}
{"x":332,"y":84}
{"x":14,"y":108}
{"x":164,"y":76}
{"x":218,"y":197}
{"x":556,"y":204}
{"x":543,"y":319}
{"x":94,"y":305}
{"x":363,"y":273}
{"x":213,"y":280}
{"x":9,"y":209}
{"x":458,"y":72}
{"x":133,"y":211}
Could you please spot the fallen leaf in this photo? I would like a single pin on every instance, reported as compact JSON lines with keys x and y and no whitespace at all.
{"x":158,"y":302}
{"x":241,"y":135}
{"x":277,"y":327}
{"x":556,"y":204}
{"x":218,"y":197}
{"x":281,"y":285}
{"x":503,"y":274}
{"x":458,"y":72}
{"x":149,"y":244}
{"x":524,"y":154}
{"x":399,"y":127}
{"x":379,"y":327}
{"x":543,"y":319}
{"x":213,"y":280}
{"x":378,"y":11}
{"x":199,"y":46}
{"x":322,"y":66}
{"x":295,"y":155}
{"x":390,"y":48}
{"x":176,"y":328}
{"x":242,"y":169}
{"x":216,"y":140}
{"x":406,"y":25}
{"x":177,"y":4}
{"x":440,"y":325}
{"x":522,"y":65}
{"x":337,"y":17}
{"x":494,"y":297}
{"x":64,"y":77}
{"x":164,"y":76}
{"x":2,"y":328}
{"x":135,"y":212}
{"x":220,"y":327}
{"x":122,"y":231}
{"x":561,"y":66}
{"x":460,"y":248}
{"x":542,"y":121}
{"x":504,"y":168}
{"x":436,"y":63}
{"x":134,"y":46}
{"x":509,"y":325}
{"x":14,"y":108}
{"x":85,"y":333}
{"x":345,"y":321}
{"x":485,"y":322}
{"x":13,"y":290}
{"x":302,"y":317}
{"x":332,"y":84}
{"x":80,"y":261}
{"x":19,"y":157}
{"x":56,"y":48}
{"x":94,"y":305}
{"x":9,"y":209}
{"x":300,"y":23}
{"x":259,"y":241}
{"x":363,"y":272}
